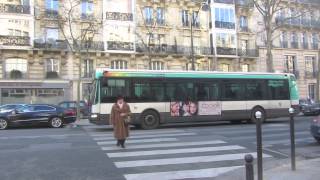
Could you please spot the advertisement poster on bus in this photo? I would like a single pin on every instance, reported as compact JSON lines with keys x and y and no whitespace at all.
{"x":183,"y":108}
{"x":209,"y":108}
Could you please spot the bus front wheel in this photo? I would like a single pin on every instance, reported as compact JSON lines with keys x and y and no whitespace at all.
{"x":149,"y":120}
{"x":253,"y":116}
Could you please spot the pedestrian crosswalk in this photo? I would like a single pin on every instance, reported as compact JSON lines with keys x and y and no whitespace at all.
{"x":172,"y":154}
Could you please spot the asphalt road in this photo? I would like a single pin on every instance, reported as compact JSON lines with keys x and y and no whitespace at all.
{"x":194,"y":151}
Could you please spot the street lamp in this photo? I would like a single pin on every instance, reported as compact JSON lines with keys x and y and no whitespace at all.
{"x":204,"y":7}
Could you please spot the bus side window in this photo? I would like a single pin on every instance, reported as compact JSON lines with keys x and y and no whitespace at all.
{"x":255,"y":90}
{"x":278,"y":89}
{"x":233,"y":91}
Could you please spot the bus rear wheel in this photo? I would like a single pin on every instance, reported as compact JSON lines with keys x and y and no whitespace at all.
{"x":149,"y":120}
{"x":253,"y":116}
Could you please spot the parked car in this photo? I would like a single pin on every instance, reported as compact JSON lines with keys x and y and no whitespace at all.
{"x":315,"y":128}
{"x":10,"y":107}
{"x":308,"y":107}
{"x":52,"y":115}
{"x":84,"y":108}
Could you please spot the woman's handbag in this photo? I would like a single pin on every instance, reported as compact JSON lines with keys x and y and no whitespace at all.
{"x":127,"y":120}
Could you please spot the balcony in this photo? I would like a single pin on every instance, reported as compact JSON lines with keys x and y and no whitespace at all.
{"x":57,"y":44}
{"x":245,"y":3}
{"x":305,"y":45}
{"x":244,"y":29}
{"x":310,"y":74}
{"x":294,"y":44}
{"x":306,"y":23}
{"x":120,"y":46}
{"x":14,"y":40}
{"x":85,"y":16}
{"x":226,"y":51}
{"x":119,"y":16}
{"x":224,"y":25}
{"x":284,"y":44}
{"x":171,"y":49}
{"x":248,"y":52}
{"x":52,"y":14}
{"x":224,"y":1}
{"x":89,"y":46}
{"x":14,"y":9}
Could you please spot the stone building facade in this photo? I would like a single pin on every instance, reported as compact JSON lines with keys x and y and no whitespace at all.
{"x":37,"y":65}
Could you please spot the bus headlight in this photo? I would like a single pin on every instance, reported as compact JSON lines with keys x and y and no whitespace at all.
{"x":94,"y":115}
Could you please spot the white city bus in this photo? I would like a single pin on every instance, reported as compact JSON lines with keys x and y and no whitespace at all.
{"x":158,"y":97}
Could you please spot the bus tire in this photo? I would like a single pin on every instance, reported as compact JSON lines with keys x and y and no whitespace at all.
{"x":149,"y":120}
{"x":253,"y":116}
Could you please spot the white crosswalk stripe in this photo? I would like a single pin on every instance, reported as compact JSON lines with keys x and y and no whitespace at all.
{"x":191,"y":158}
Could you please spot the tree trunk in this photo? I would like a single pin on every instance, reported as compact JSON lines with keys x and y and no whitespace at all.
{"x":269,"y":60}
{"x":78,"y":90}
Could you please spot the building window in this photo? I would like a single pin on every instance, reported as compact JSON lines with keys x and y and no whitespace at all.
{"x":291,"y":65}
{"x":311,"y":91}
{"x":52,"y":5}
{"x":224,"y":18}
{"x":314,"y":41}
{"x":157,"y":65}
{"x":294,"y":40}
{"x":245,"y":68}
{"x":224,"y":67}
{"x":87,"y":68}
{"x":243,"y":23}
{"x":148,"y":14}
{"x":52,"y":34}
{"x":119,"y":64}
{"x":195,"y":19}
{"x":304,"y":40}
{"x":185,"y":17}
{"x":283,"y":40}
{"x":15,"y":68}
{"x":86,"y":8}
{"x":226,"y":40}
{"x":310,"y":64}
{"x":52,"y":65}
{"x":160,"y":16}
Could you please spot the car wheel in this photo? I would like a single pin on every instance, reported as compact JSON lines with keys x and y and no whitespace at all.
{"x":149,"y":120}
{"x":253,"y":115}
{"x":3,"y":124}
{"x":56,"y":122}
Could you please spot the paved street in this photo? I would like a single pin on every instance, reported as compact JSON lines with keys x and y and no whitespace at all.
{"x":203,"y":151}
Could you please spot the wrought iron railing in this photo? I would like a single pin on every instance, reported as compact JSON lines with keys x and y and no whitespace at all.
{"x":58,"y":44}
{"x":248,"y":52}
{"x":172,"y":49}
{"x":15,"y":40}
{"x":245,"y":3}
{"x":12,"y":8}
{"x":226,"y":51}
{"x":118,"y":45}
{"x":119,"y":16}
{"x":244,"y":29}
{"x":224,"y":1}
{"x":315,"y":46}
{"x":49,"y":13}
{"x":306,"y":23}
{"x":225,"y":25}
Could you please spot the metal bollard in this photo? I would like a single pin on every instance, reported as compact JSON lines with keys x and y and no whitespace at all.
{"x":292,"y":138}
{"x":259,"y":145}
{"x":249,"y":167}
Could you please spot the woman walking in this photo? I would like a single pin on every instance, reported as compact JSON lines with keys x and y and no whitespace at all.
{"x":119,"y":113}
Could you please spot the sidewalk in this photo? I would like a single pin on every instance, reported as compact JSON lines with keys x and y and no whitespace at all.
{"x":83,"y":122}
{"x":280,"y":170}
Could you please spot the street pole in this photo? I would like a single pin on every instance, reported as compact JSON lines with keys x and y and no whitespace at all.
{"x":259,"y":145}
{"x":249,"y":167}
{"x":192,"y":53}
{"x":292,"y":138}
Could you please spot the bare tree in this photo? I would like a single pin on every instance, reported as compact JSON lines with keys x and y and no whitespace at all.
{"x":269,"y":10}
{"x":78,"y":31}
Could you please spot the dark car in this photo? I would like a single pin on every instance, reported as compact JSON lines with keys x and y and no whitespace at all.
{"x":52,"y":115}
{"x":84,"y":108}
{"x":10,"y":107}
{"x":315,"y":128}
{"x":308,"y":107}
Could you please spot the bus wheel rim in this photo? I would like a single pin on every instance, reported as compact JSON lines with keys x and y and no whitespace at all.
{"x":3,"y":124}
{"x":56,"y":122}
{"x":150,"y":119}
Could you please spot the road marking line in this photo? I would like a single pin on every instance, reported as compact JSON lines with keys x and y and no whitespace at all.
{"x":200,"y":173}
{"x":269,"y":135}
{"x":179,"y":144}
{"x":184,"y":160}
{"x":174,"y":151}
{"x":146,"y":136}
{"x":276,"y":152}
{"x":140,"y":132}
{"x":140,"y":141}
